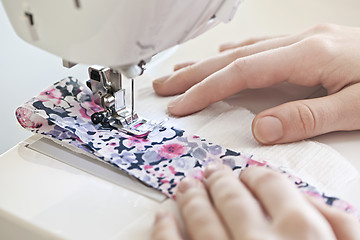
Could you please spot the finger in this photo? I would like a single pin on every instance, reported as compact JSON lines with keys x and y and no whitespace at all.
{"x":275,"y":192}
{"x":165,"y":227}
{"x":290,"y":212}
{"x":187,"y":77}
{"x":232,"y":45}
{"x":200,"y":218}
{"x":238,"y":208}
{"x":256,"y":71}
{"x":183,"y":65}
{"x":344,"y":225}
{"x":307,"y":118}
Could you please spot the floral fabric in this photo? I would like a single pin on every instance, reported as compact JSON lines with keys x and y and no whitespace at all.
{"x":160,"y":160}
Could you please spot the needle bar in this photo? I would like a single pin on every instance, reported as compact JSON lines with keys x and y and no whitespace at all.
{"x":132,"y":99}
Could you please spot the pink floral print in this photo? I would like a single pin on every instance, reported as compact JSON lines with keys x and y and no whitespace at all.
{"x":171,"y":150}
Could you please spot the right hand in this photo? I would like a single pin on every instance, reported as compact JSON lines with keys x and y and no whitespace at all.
{"x":326,"y":54}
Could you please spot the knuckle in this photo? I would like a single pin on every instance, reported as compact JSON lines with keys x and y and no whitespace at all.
{"x":323,"y":28}
{"x":255,"y":235}
{"x":191,"y":68}
{"x":239,"y":65}
{"x":353,"y":95}
{"x":222,"y":185}
{"x":226,"y":194}
{"x":186,"y":75}
{"x":196,"y":217}
{"x":232,"y":206}
{"x":193,"y":204}
{"x":320,"y":46}
{"x":203,"y":94}
{"x":253,"y":40}
{"x":239,"y":68}
{"x":306,"y":118}
{"x":217,"y":176}
{"x":268,"y":177}
{"x":239,"y":52}
{"x":229,"y":199}
{"x":191,"y":199}
{"x":183,"y":73}
{"x":295,"y":216}
{"x":317,"y":54}
{"x":243,"y":67}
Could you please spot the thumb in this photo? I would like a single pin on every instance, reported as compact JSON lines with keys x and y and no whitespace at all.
{"x":303,"y":119}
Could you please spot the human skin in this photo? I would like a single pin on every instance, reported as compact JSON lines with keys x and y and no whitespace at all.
{"x":327,"y":55}
{"x":260,"y":204}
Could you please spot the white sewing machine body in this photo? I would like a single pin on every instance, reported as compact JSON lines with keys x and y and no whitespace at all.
{"x":66,"y":201}
{"x":120,"y":35}
{"x":113,"y":33}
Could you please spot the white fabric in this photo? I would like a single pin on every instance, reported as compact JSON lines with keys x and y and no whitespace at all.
{"x":230,"y":126}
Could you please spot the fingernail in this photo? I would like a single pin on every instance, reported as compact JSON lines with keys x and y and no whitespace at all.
{"x":175,"y":101}
{"x":188,"y":183}
{"x":268,"y":129}
{"x":211,"y":168}
{"x":160,"y":80}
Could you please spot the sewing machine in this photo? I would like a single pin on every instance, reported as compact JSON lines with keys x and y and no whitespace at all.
{"x":122,"y":37}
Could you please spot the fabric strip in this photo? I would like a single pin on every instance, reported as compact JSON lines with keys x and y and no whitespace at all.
{"x":160,"y":160}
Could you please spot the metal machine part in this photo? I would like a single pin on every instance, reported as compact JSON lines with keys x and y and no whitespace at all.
{"x":106,"y":86}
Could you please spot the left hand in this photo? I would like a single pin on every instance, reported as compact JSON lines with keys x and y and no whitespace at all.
{"x":262,"y":204}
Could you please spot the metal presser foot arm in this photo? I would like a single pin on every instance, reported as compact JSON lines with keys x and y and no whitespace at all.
{"x":106,"y":86}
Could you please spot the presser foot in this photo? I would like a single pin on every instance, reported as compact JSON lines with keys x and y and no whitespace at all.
{"x":106,"y":87}
{"x":127,"y":123}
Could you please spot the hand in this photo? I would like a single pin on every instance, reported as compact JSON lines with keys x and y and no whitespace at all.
{"x":261,"y":204}
{"x":326,"y":54}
